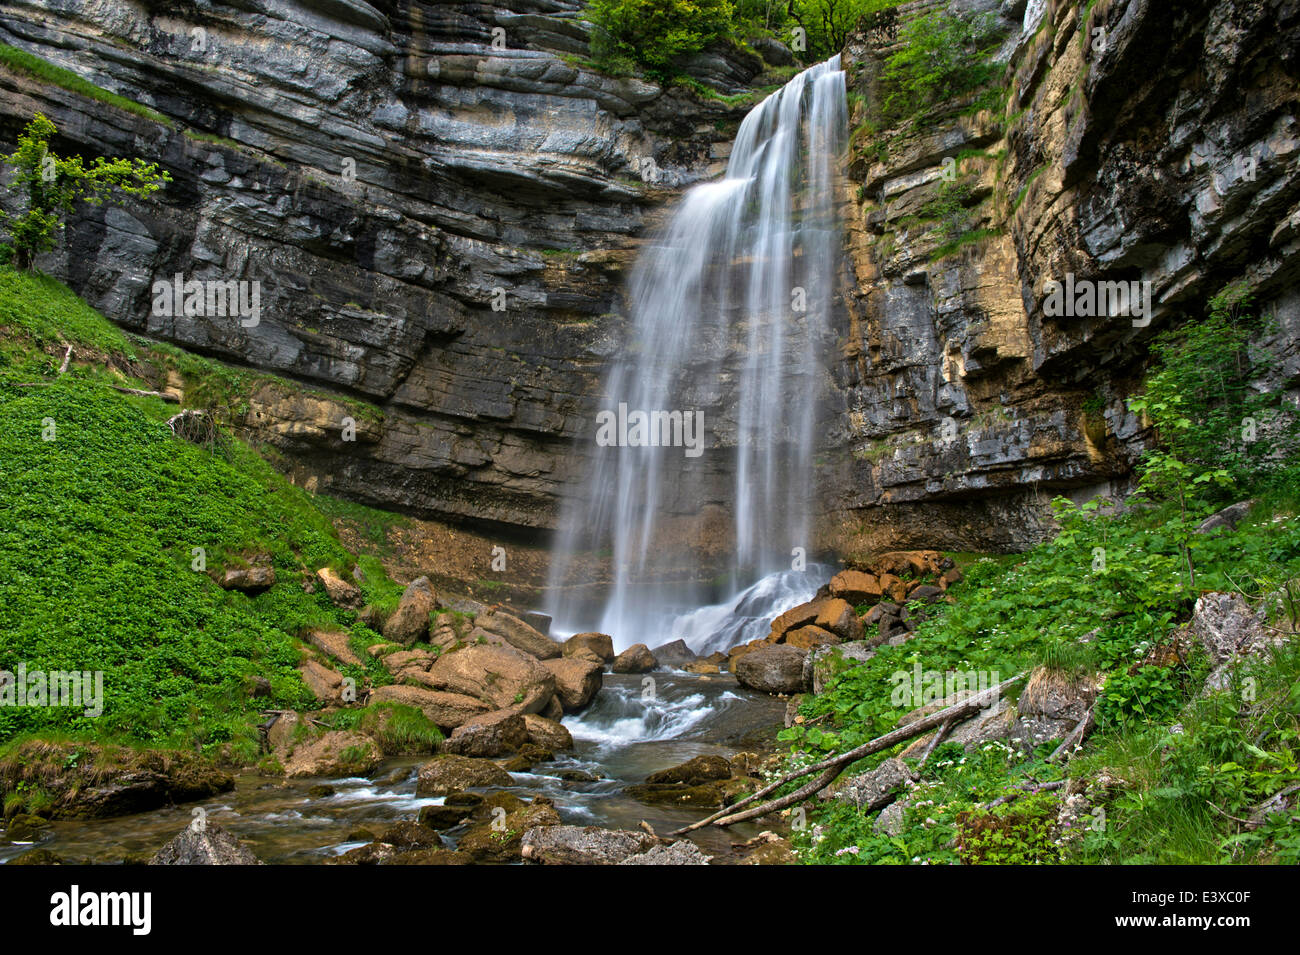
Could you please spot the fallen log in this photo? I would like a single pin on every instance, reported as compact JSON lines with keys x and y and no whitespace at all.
{"x":1075,"y":736}
{"x":830,"y":767}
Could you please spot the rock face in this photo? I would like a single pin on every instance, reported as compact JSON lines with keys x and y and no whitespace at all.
{"x":439,"y":225}
{"x":966,"y":406}
{"x":211,"y":845}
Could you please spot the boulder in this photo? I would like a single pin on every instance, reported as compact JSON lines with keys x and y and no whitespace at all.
{"x":1226,"y":626}
{"x":325,"y":684}
{"x":583,"y":845}
{"x":335,"y":644}
{"x":410,"y":622}
{"x":343,"y":593}
{"x":772,"y":669}
{"x":449,"y":773}
{"x":577,"y":681}
{"x":893,"y":587}
{"x":950,"y":576}
{"x":1047,"y":693}
{"x":875,"y":788}
{"x":682,"y":852}
{"x":707,"y":795}
{"x":856,"y":587}
{"x":909,"y":563}
{"x":402,"y":661}
{"x":445,"y":710}
{"x":805,"y":638}
{"x":701,"y":769}
{"x":249,"y":580}
{"x":548,"y":734}
{"x":795,"y":617}
{"x":675,"y":654}
{"x":703,"y":667}
{"x":1226,"y":519}
{"x":635,"y":659}
{"x":925,"y":592}
{"x":501,"y":840}
{"x":502,"y":676}
{"x":490,"y":735}
{"x":335,"y":753}
{"x":597,"y":647}
{"x":209,"y":845}
{"x":541,"y":622}
{"x":518,"y":634}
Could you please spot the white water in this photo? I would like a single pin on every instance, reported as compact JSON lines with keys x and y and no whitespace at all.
{"x":730,"y":314}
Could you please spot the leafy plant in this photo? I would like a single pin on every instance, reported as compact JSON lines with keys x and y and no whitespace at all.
{"x":51,"y":186}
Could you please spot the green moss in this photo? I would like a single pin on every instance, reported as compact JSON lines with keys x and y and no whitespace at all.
{"x":25,"y":62}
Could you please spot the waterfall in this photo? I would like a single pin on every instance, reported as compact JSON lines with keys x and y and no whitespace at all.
{"x":729,"y":319}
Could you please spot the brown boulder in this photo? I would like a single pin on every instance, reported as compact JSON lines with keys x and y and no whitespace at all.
{"x":577,"y":681}
{"x":701,"y":769}
{"x":635,"y":659}
{"x":447,"y":774}
{"x":490,"y":735}
{"x":502,"y":676}
{"x":500,"y":840}
{"x":856,"y":587}
{"x":805,"y":638}
{"x":598,"y":647}
{"x":410,"y":622}
{"x":445,"y":710}
{"x":548,"y":734}
{"x":342,"y":593}
{"x":324,"y":683}
{"x":796,"y":617}
{"x":334,"y":644}
{"x":249,"y":580}
{"x":839,"y":617}
{"x":518,"y":634}
{"x":673,"y":654}
{"x":336,"y":753}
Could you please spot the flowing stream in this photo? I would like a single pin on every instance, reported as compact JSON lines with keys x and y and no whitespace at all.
{"x":730,"y":311}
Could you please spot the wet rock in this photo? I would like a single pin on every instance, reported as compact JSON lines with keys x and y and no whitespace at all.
{"x":343,"y":593}
{"x":410,"y":835}
{"x":410,"y":622}
{"x":800,"y":616}
{"x":583,"y":845}
{"x":445,"y":710}
{"x":211,"y":845}
{"x":700,"y":769}
{"x":703,"y":667}
{"x":501,"y":840}
{"x":577,"y":681}
{"x":519,"y":634}
{"x":249,"y":580}
{"x":448,"y":774}
{"x":335,"y":753}
{"x":443,"y":817}
{"x":773,"y":669}
{"x":707,"y":795}
{"x":635,"y":659}
{"x":674,"y":654}
{"x":490,"y":735}
{"x":502,"y":676}
{"x":548,"y":734}
{"x":37,"y":857}
{"x":541,"y":622}
{"x":925,"y":592}
{"x":682,"y":852}
{"x":597,"y":647}
{"x":26,"y":827}
{"x":321,"y":791}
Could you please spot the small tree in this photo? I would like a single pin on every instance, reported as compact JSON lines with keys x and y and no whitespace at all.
{"x":52,"y":186}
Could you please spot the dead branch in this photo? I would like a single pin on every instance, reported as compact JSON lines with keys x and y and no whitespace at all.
{"x":830,"y":767}
{"x":1075,"y":736}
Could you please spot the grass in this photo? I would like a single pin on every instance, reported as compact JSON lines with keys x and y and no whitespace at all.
{"x":41,"y":69}
{"x":104,"y":510}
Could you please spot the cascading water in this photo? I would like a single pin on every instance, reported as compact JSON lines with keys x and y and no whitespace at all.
{"x":730,"y":315}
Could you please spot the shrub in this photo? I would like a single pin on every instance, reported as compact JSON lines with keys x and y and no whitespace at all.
{"x":655,"y":33}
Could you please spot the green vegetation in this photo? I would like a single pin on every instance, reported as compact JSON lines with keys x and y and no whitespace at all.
{"x":104,"y":511}
{"x":24,"y":62}
{"x":1171,"y":771}
{"x":941,"y":59}
{"x":654,"y":33}
{"x":51,"y":186}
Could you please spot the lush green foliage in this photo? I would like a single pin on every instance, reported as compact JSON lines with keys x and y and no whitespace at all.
{"x":1102,"y":601}
{"x":51,"y":186}
{"x":942,"y":58}
{"x":103,"y":509}
{"x":655,"y":33}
